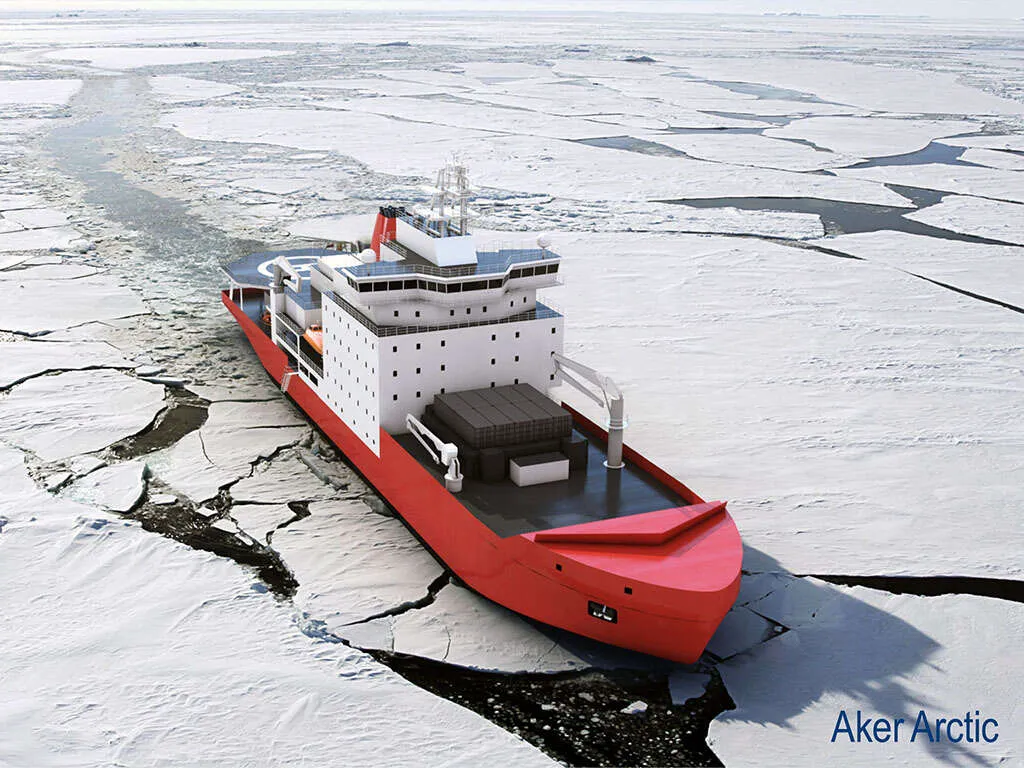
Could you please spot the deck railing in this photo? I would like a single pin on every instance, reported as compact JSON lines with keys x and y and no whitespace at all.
{"x":491,"y":263}
{"x":541,"y":312}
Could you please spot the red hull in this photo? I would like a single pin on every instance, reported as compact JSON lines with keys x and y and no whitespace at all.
{"x":682,"y":566}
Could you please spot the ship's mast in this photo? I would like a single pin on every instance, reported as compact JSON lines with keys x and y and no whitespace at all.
{"x":451,"y":193}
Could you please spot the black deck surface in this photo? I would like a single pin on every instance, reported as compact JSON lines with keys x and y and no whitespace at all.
{"x":588,"y":495}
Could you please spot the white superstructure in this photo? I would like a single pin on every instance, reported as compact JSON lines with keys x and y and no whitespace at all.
{"x":427,"y":311}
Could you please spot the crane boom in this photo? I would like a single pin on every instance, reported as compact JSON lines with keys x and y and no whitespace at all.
{"x":445,"y":454}
{"x":610,"y":398}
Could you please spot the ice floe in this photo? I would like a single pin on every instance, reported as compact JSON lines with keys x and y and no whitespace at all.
{"x":838,"y":403}
{"x":59,"y":416}
{"x":173,"y":89}
{"x":223,"y":450}
{"x":38,"y":91}
{"x":752,"y":149}
{"x":523,"y":163}
{"x":994,"y":158}
{"x":35,"y":218}
{"x":37,"y":306}
{"x":37,"y":239}
{"x":283,"y":480}
{"x":25,"y":359}
{"x":991,"y":219}
{"x":958,"y":179}
{"x":375,"y":565}
{"x":460,"y":627}
{"x":132,"y":57}
{"x":885,"y":88}
{"x":185,"y":637}
{"x":992,"y":271}
{"x":870,"y":136}
{"x":118,"y":488}
{"x":886,"y":656}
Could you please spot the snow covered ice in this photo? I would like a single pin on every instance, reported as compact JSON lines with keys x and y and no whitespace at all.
{"x":855,"y":393}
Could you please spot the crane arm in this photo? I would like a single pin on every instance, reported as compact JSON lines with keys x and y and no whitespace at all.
{"x":445,"y":454}
{"x":610,"y":398}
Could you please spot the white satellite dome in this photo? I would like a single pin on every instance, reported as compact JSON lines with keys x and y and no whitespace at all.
{"x":543,"y":241}
{"x":367,"y":255}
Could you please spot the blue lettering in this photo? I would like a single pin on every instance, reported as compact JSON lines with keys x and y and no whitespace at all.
{"x":896,"y":728}
{"x":921,"y":726}
{"x":862,"y":728}
{"x":881,"y":730}
{"x":984,"y":730}
{"x":949,"y":730}
{"x":842,"y":726}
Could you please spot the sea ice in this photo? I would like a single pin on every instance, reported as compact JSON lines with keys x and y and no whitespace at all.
{"x":887,"y":656}
{"x":994,"y":271}
{"x":460,"y":627}
{"x":59,"y":416}
{"x":173,"y":89}
{"x":478,"y":117}
{"x":283,"y":480}
{"x":991,"y":219}
{"x":35,"y":218}
{"x":958,"y":179}
{"x":375,"y":564}
{"x":118,"y":487}
{"x":25,"y":359}
{"x":882,"y":88}
{"x":37,"y":239}
{"x":837,"y":403}
{"x":186,"y":652}
{"x":38,"y":91}
{"x":870,"y":136}
{"x":223,"y":450}
{"x":132,"y":57}
{"x":521,"y":163}
{"x":38,"y":306}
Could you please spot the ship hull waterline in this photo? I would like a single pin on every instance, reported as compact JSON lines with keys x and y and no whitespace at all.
{"x":678,"y":592}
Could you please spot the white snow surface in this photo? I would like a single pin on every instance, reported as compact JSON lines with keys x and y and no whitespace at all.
{"x":993,"y":271}
{"x":959,"y":179}
{"x":994,"y":158}
{"x":872,"y":136}
{"x":752,"y":149}
{"x":518,"y":162}
{"x":375,"y":565}
{"x":57,"y":417}
{"x":837,"y":403}
{"x":992,"y":219}
{"x":118,"y":487}
{"x":133,"y":57}
{"x":38,"y":306}
{"x":193,"y":663}
{"x":225,"y":448}
{"x":462,"y":628}
{"x":37,"y":239}
{"x":871,"y":86}
{"x":25,"y":359}
{"x":173,"y":89}
{"x":38,"y":91}
{"x":886,"y":655}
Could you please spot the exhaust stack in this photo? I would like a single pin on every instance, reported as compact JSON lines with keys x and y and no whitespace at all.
{"x":384,"y":229}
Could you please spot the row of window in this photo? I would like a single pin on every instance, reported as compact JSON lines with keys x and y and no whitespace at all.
{"x":469,"y":310}
{"x":470,"y":285}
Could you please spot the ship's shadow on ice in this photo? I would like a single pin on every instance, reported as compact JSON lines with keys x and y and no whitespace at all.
{"x":793,"y":644}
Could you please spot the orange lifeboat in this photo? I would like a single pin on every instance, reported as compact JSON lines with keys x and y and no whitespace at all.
{"x":315,"y":336}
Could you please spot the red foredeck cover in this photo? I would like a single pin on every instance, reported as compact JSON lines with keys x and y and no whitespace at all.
{"x":649,"y":528}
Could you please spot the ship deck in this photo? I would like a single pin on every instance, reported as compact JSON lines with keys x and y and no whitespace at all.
{"x":588,"y":495}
